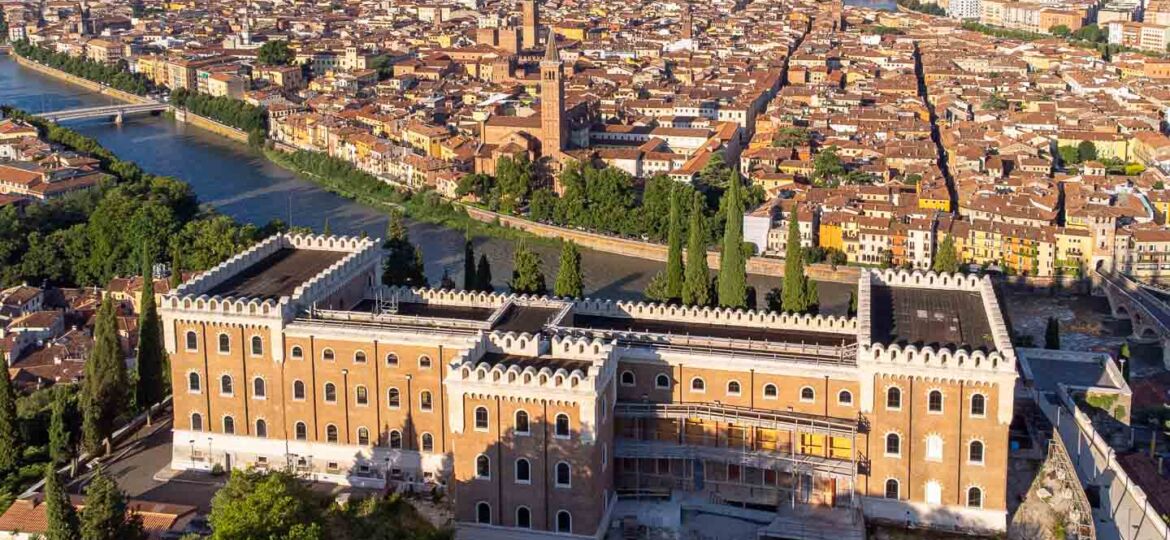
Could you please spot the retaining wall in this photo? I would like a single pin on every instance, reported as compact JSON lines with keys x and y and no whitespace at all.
{"x":73,"y":79}
{"x":211,"y":125}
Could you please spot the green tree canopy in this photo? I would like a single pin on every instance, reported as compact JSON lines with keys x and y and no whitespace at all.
{"x":732,"y":263}
{"x":270,"y":506}
{"x":527,"y":276}
{"x":60,"y":437}
{"x":106,"y":515}
{"x":403,"y":263}
{"x":106,"y":386}
{"x":1086,"y":151}
{"x":947,"y":258}
{"x":275,"y":53}
{"x":570,"y":281}
{"x":675,"y":272}
{"x":796,"y":294}
{"x":696,"y":286}
{"x":827,"y":167}
{"x":61,"y":516}
{"x":11,"y":446}
{"x":151,"y":361}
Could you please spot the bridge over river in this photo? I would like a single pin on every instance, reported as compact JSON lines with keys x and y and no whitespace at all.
{"x":117,"y":112}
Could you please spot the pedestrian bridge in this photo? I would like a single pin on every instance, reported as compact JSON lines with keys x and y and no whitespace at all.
{"x":117,"y":112}
{"x":1133,"y":301}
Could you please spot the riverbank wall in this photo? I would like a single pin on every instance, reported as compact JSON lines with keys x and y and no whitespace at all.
{"x":79,"y":81}
{"x":211,"y":125}
{"x":764,"y":266}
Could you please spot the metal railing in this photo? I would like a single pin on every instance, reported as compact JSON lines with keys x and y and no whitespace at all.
{"x":745,"y":416}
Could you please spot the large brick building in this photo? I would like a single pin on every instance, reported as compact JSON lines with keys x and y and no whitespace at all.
{"x":538,"y":413}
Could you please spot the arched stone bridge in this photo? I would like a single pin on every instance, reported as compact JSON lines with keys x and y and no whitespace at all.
{"x":1130,"y":300}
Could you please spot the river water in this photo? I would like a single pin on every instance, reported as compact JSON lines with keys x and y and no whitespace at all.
{"x":241,"y":183}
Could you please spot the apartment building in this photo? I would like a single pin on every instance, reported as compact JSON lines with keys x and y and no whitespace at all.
{"x":538,"y":413}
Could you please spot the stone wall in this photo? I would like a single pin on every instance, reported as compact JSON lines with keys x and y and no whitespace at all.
{"x":73,"y":79}
{"x":655,"y":252}
{"x":211,"y":125}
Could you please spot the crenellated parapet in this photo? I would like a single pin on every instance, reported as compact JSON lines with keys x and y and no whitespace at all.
{"x":925,"y":280}
{"x":517,"y":343}
{"x":716,"y":315}
{"x":957,"y":361}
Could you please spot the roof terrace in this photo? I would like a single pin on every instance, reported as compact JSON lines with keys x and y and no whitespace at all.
{"x":276,"y":275}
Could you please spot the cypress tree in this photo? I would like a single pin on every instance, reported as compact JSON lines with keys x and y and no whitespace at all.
{"x":696,"y":288}
{"x":732,"y":265}
{"x":403,"y":263}
{"x":60,"y":448}
{"x":10,"y":444}
{"x":527,"y":278}
{"x":152,"y":357}
{"x":570,"y":281}
{"x":946,"y":260}
{"x":794,"y":295}
{"x":675,"y":273}
{"x":60,"y":515}
{"x":176,"y":269}
{"x":1052,"y":334}
{"x":105,"y":389}
{"x":106,"y":515}
{"x":483,"y":275}
{"x":470,"y":279}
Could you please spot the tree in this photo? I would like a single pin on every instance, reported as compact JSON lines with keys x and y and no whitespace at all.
{"x":827,"y":167}
{"x":60,"y":516}
{"x":527,"y":277}
{"x":675,"y":273}
{"x":106,"y":515}
{"x":11,"y":447}
{"x":152,"y":356}
{"x":696,"y":288}
{"x":402,"y":265}
{"x":1087,"y":151}
{"x":60,"y":443}
{"x":105,"y":388}
{"x":1060,"y":30}
{"x":483,"y":275}
{"x":275,"y":53}
{"x":514,"y":178}
{"x":1069,"y":155}
{"x":1052,"y":334}
{"x":732,"y":264}
{"x":946,"y":260}
{"x":570,"y":282}
{"x":795,"y":293}
{"x":270,"y":505}
{"x":469,"y":276}
{"x":176,"y":278}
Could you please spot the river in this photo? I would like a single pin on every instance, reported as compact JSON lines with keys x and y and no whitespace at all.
{"x":241,"y":183}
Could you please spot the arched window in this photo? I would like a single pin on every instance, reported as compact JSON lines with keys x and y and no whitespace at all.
{"x":564,"y":475}
{"x":258,"y":388}
{"x":523,"y":471}
{"x":978,"y":405}
{"x":196,"y":422}
{"x":229,"y":425}
{"x":330,"y":393}
{"x":481,"y":418}
{"x":733,"y":388}
{"x":771,"y":391}
{"x":225,"y":344}
{"x":361,"y":396}
{"x":395,"y":439}
{"x":892,"y":489}
{"x":483,"y":513}
{"x":257,"y":346}
{"x":933,"y":493}
{"x":698,"y":385}
{"x":662,"y":381}
{"x":522,"y":422}
{"x":934,"y":448}
{"x":301,"y":431}
{"x":483,"y":467}
{"x":192,"y":341}
{"x":193,"y":383}
{"x":523,"y":517}
{"x":363,"y":435}
{"x":934,"y":401}
{"x":261,"y":428}
{"x":327,"y":355}
{"x":424,"y":401}
{"x":845,"y":397}
{"x":428,"y":442}
{"x":628,"y":378}
{"x":391,"y":360}
{"x":562,"y":427}
{"x":299,"y":390}
{"x":807,"y":394}
{"x":564,"y":522}
{"x":894,"y":398}
{"x":331,"y":433}
{"x":975,"y":452}
{"x":225,"y":385}
{"x":359,"y":357}
{"x":974,"y":497}
{"x":893,"y":444}
{"x":297,"y":352}
{"x":424,"y":362}
{"x":393,"y":399}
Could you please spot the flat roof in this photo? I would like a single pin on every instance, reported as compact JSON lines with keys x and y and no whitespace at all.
{"x":940,"y":318}
{"x":433,"y":311}
{"x":278,"y":274}
{"x":1083,"y":370}
{"x":526,"y":318}
{"x":695,"y":329}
